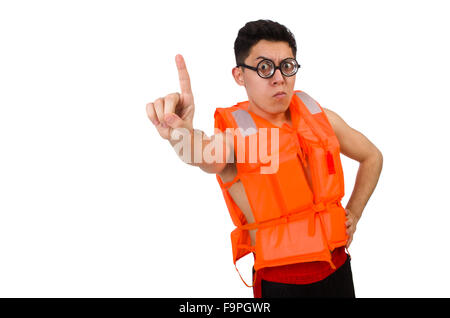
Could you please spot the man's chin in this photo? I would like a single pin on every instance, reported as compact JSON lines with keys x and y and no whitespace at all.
{"x":278,"y":108}
{"x":281,"y":104}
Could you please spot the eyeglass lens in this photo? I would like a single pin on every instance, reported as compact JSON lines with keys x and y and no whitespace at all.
{"x":266,"y":68}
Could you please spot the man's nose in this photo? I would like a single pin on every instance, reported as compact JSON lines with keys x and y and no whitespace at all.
{"x":277,"y":77}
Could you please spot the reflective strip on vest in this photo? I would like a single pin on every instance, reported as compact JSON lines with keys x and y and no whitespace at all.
{"x":245,"y":121}
{"x":310,"y":103}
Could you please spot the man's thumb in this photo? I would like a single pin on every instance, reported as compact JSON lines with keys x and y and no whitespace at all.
{"x":173,"y":121}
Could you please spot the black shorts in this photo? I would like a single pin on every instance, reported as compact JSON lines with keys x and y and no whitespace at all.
{"x":338,"y":284}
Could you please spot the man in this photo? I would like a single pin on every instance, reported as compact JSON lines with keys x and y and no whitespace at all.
{"x":266,"y":66}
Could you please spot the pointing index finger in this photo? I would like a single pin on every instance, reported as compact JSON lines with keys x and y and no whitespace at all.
{"x":183,"y":75}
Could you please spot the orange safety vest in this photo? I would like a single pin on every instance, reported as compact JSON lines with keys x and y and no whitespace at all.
{"x":295,"y":222}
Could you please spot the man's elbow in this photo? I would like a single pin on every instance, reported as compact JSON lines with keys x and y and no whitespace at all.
{"x":378,"y":156}
{"x":213,"y":167}
{"x":375,"y":158}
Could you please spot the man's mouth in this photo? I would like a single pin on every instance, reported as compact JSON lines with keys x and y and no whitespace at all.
{"x":279,"y":95}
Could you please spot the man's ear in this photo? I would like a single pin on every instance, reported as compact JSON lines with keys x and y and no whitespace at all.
{"x":238,"y":75}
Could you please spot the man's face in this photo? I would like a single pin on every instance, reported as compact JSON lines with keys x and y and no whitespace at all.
{"x":271,"y":95}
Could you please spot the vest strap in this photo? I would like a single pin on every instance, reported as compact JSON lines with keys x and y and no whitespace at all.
{"x":321,"y":206}
{"x":226,"y":185}
{"x":254,"y":278}
{"x":247,"y":247}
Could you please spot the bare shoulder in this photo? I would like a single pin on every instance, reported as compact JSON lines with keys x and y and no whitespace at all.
{"x":340,"y":127}
{"x":335,"y":120}
{"x":353,"y":143}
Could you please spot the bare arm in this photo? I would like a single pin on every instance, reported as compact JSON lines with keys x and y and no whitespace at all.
{"x":357,"y":147}
{"x":210,"y":154}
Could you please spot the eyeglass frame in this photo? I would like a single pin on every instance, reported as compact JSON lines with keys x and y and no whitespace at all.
{"x":274,"y":69}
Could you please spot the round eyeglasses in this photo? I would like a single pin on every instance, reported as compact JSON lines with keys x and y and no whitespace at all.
{"x":266,"y":68}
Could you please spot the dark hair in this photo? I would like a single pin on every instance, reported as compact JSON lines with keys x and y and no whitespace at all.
{"x":254,"y":31}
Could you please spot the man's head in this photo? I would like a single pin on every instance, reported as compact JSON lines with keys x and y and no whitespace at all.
{"x":258,"y":40}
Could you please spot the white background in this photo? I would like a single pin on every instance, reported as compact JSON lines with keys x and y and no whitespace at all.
{"x":93,"y":203}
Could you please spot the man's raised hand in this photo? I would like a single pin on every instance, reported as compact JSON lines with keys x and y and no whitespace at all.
{"x":175,"y":110}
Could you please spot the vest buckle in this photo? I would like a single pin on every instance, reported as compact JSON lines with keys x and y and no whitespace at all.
{"x":319,"y":207}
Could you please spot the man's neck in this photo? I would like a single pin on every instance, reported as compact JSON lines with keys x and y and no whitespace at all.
{"x":277,"y":119}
